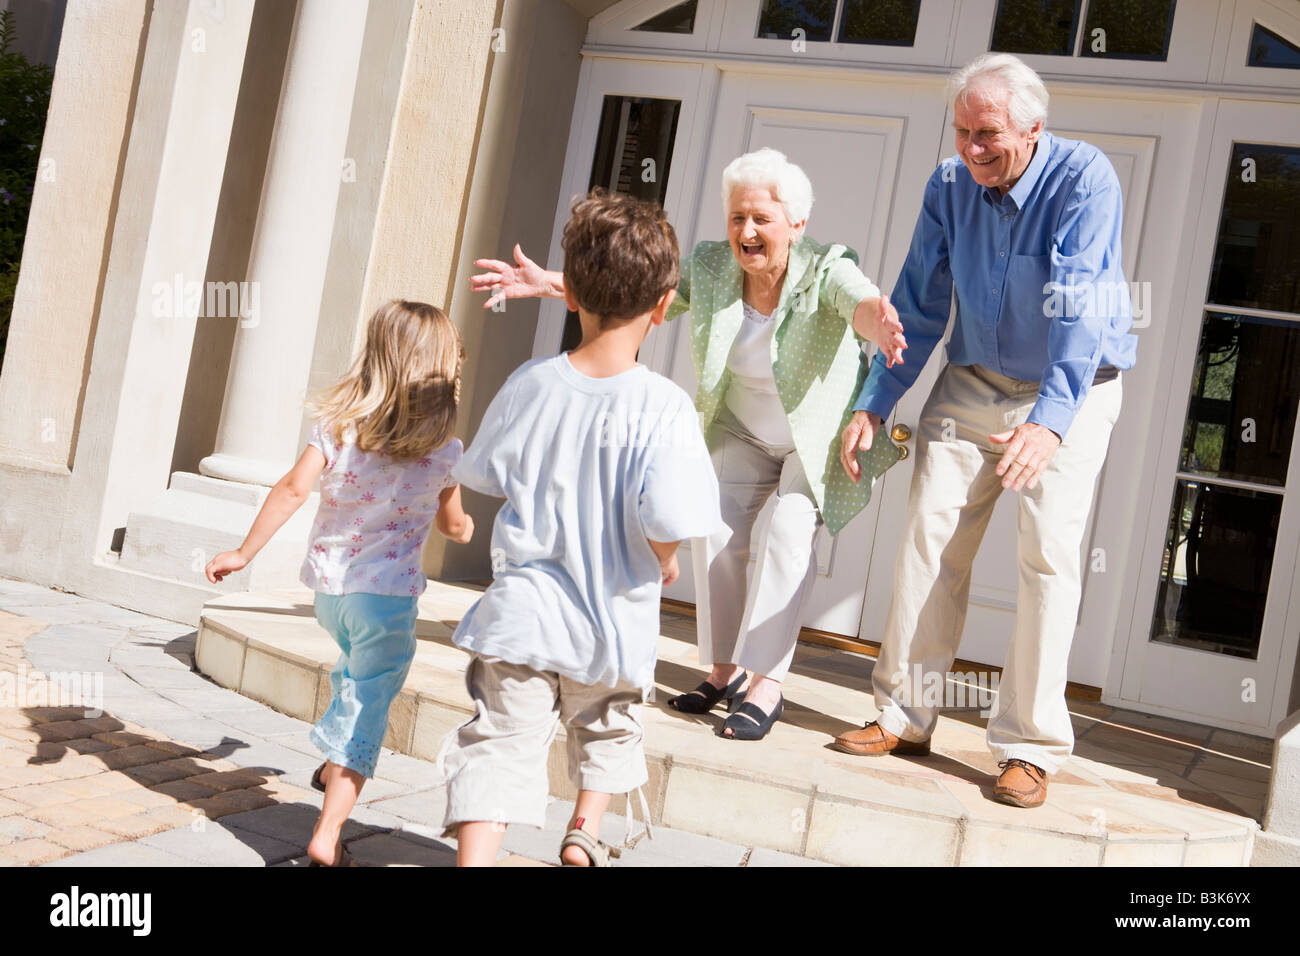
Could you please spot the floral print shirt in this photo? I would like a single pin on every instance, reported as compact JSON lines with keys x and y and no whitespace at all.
{"x":374,"y":515}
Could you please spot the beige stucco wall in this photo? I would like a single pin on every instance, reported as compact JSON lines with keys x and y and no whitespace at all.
{"x":516,"y":177}
{"x":232,"y":236}
{"x":66,"y":245}
{"x":61,"y":280}
{"x":379,"y":83}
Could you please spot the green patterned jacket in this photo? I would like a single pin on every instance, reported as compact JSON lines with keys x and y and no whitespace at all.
{"x":815,"y":353}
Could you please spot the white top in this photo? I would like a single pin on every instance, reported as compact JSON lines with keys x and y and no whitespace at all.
{"x":373,"y":517}
{"x":592,"y":469}
{"x":751,"y":394}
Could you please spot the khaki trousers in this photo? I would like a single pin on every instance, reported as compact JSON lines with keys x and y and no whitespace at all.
{"x":495,"y":762}
{"x":954,"y":489}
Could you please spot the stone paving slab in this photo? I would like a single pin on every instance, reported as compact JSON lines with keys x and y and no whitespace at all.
{"x":424,"y":807}
{"x":124,"y":854}
{"x":390,"y":849}
{"x":666,"y":848}
{"x":220,"y":845}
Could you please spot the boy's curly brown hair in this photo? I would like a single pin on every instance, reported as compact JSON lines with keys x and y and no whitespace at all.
{"x":620,"y":256}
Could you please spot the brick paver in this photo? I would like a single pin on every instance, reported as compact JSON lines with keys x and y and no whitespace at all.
{"x":71,"y":783}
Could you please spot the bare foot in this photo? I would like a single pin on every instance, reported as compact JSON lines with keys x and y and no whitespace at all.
{"x":326,"y":846}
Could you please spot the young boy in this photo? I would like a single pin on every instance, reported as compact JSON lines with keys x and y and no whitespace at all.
{"x":604,"y":471}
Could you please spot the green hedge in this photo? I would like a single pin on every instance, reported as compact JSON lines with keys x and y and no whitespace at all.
{"x":24,"y":101}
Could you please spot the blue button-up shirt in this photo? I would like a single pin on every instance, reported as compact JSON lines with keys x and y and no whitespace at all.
{"x":1041,"y":294}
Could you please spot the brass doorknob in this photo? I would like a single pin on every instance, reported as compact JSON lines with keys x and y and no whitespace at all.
{"x":901,"y":433}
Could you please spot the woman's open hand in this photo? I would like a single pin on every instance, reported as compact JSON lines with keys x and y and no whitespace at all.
{"x":525,"y":279}
{"x":877,"y":320}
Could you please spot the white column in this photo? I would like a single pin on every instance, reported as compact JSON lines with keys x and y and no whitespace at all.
{"x":262,"y":412}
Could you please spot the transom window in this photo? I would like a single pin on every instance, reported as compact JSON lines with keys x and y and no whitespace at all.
{"x":1114,"y":29}
{"x":1269,"y":49}
{"x":881,"y":22}
{"x":678,"y":19}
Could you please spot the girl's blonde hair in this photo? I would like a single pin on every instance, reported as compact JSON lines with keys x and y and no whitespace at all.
{"x":403,"y":387}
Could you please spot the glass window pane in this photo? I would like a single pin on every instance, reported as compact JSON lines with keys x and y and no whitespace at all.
{"x":1215,"y":570}
{"x":1130,"y":29}
{"x":1035,"y":26}
{"x":886,"y":22}
{"x":634,"y":145}
{"x":1257,"y":259}
{"x":1245,"y":389}
{"x":634,"y":150}
{"x":780,"y":18}
{"x":678,"y":19}
{"x":1269,"y":49}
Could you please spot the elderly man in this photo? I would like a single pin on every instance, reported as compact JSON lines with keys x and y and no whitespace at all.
{"x":1027,"y":235}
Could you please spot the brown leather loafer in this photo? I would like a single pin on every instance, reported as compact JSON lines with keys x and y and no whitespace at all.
{"x":874,"y":741}
{"x":1021,"y":784}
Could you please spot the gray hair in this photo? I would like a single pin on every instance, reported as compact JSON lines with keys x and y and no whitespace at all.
{"x":1026,"y":94}
{"x":768,"y":167}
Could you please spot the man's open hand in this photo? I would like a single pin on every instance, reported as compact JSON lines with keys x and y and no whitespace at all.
{"x":1030,"y":449}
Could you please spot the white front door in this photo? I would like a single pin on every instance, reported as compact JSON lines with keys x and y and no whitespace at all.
{"x":1214,"y":624}
{"x":867,"y":146}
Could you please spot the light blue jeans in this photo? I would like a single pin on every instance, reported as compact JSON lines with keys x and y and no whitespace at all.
{"x":376,"y":634}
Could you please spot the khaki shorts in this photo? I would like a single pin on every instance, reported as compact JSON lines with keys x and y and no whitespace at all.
{"x":495,"y":763}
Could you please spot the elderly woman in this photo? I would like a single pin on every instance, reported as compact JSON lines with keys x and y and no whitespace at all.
{"x":776,"y":327}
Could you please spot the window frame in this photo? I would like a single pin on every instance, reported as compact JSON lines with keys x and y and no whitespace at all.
{"x":1191,"y":46}
{"x":1236,"y":67}
{"x":617,"y":25}
{"x":739,"y":29}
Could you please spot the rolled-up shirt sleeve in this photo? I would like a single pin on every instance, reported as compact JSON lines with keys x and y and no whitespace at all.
{"x":923,"y":298}
{"x":846,"y":286}
{"x":1086,"y":295}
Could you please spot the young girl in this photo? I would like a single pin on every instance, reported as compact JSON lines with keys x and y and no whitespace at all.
{"x":383,"y":449}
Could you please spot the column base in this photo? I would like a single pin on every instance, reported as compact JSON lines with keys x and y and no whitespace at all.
{"x":248,"y":471}
{"x":197,"y":517}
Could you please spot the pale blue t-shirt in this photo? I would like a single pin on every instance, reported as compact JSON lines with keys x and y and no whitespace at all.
{"x":592,"y":469}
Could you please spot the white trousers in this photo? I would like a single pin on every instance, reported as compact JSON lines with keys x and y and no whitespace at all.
{"x":954,"y":488}
{"x":756,"y":627}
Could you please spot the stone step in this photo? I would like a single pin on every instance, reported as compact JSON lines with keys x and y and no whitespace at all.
{"x":1123,"y":799}
{"x":188,"y":523}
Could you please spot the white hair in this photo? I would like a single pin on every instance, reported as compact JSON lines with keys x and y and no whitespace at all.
{"x":768,"y":168}
{"x":1026,"y":94}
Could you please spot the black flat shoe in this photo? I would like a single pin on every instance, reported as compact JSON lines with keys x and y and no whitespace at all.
{"x":705,"y":697}
{"x":748,"y":722}
{"x":316,"y":782}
